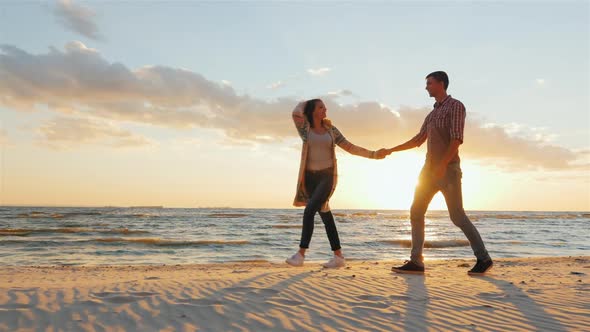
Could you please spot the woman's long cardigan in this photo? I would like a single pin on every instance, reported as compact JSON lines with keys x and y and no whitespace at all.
{"x":303,"y":128}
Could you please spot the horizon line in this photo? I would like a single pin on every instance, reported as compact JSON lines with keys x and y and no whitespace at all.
{"x":258,"y":208}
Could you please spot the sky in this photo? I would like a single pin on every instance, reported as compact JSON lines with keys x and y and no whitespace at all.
{"x":188,"y":104}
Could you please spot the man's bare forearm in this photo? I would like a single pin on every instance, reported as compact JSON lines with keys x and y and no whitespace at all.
{"x":414,"y":142}
{"x":405,"y":146}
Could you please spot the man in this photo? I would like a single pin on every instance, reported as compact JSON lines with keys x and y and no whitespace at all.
{"x":443,"y":131}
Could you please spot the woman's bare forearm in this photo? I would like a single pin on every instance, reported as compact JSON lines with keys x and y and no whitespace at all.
{"x":357,"y":150}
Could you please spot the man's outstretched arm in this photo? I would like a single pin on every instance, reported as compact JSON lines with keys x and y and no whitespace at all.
{"x":416,"y":141}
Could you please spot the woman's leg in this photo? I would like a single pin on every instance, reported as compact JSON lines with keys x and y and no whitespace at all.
{"x":331,"y":231}
{"x":311,"y":182}
{"x":319,"y":185}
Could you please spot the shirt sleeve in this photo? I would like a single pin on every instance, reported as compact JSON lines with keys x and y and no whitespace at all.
{"x":422,"y":134}
{"x":338,"y":137}
{"x":301,"y":123}
{"x":458,"y":115}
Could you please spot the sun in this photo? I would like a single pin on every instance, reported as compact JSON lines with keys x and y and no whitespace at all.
{"x":389,"y":183}
{"x":377,"y":184}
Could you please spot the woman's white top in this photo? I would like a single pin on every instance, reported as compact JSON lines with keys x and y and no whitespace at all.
{"x":320,"y":151}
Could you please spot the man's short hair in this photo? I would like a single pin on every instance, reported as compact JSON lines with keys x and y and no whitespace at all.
{"x":440,"y":76}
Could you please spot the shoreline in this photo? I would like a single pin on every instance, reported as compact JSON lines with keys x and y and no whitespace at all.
{"x":260,"y":263}
{"x":277,"y":263}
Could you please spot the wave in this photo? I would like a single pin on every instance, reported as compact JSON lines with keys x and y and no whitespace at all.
{"x":286,"y":226}
{"x":66,"y":230}
{"x":227,"y":215}
{"x":528,"y":216}
{"x":141,"y":215}
{"x":37,"y":214}
{"x":515,"y":242}
{"x":168,"y":242}
{"x":14,"y":232}
{"x":429,"y":243}
{"x":397,"y":217}
{"x":365,"y":214}
{"x":474,"y":216}
{"x":55,"y":215}
{"x":36,"y":243}
{"x":123,"y":240}
{"x":123,"y":231}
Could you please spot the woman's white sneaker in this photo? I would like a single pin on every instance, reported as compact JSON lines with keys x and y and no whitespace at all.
{"x":296,"y":260}
{"x":335,"y":262}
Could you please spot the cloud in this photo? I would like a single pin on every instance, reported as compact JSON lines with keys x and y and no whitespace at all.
{"x":79,"y":78}
{"x":275,"y":85}
{"x":340,"y":93}
{"x":493,"y":143}
{"x":77,"y":18}
{"x":319,"y":71}
{"x":539,"y":134}
{"x":312,"y":72}
{"x":540,"y":81}
{"x":65,"y":133}
{"x":79,"y":81}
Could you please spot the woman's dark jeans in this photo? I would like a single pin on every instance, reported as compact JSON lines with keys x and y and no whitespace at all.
{"x":318,"y":185}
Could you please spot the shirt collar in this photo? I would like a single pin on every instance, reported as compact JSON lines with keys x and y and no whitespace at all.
{"x":436,"y":104}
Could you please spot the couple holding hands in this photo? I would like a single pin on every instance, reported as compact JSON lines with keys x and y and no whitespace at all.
{"x":442,"y":130}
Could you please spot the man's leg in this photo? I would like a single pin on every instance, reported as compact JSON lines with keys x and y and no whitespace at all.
{"x":425,"y":191}
{"x":451,"y":189}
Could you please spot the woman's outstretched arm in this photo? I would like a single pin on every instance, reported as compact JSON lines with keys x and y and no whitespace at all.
{"x":356,"y":150}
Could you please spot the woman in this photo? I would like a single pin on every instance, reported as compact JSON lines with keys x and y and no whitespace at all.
{"x":318,"y":174}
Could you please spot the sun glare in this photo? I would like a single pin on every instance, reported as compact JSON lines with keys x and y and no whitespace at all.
{"x":390,"y":183}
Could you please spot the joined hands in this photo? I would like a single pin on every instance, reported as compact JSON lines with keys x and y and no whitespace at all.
{"x":382,"y":153}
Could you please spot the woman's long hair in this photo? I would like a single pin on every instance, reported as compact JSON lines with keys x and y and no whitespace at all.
{"x":308,"y":110}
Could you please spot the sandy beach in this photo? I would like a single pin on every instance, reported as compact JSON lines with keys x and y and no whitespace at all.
{"x":546,"y":294}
